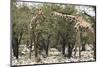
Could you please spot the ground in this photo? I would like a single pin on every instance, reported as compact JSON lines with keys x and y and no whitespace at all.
{"x":54,"y":56}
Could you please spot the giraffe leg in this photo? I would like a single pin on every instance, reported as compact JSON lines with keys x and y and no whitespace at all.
{"x":75,"y":51}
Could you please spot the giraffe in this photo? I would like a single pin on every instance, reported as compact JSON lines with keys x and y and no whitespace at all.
{"x":80,"y":25}
{"x":78,"y":20}
{"x":34,"y":24}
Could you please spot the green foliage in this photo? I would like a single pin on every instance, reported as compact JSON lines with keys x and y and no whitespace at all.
{"x":56,"y":26}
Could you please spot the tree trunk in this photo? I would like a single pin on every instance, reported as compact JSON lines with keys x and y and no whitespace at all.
{"x":15,"y":46}
{"x":63,"y":47}
{"x":83,"y":47}
{"x":35,"y":48}
{"x":69,"y":50}
{"x":20,"y":38}
{"x":47,"y":48}
{"x":30,"y":47}
{"x":94,"y":50}
{"x":48,"y":41}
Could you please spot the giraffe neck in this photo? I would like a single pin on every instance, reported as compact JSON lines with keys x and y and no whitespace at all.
{"x":67,"y":17}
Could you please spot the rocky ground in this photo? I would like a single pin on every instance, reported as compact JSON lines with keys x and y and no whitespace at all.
{"x":54,"y":57}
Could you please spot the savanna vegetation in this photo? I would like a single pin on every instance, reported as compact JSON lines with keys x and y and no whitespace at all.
{"x":36,"y":33}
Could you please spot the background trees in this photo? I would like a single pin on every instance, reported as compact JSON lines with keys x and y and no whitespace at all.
{"x":48,"y":31}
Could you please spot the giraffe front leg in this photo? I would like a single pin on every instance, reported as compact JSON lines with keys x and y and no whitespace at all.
{"x":74,"y":51}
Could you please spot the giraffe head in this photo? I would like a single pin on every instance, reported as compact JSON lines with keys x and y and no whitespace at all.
{"x":38,"y":11}
{"x":79,"y":18}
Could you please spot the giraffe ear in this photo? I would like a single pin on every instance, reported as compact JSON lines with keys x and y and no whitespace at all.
{"x":76,"y":17}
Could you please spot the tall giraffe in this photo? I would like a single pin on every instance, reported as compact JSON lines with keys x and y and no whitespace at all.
{"x":78,"y":20}
{"x":80,"y":25}
{"x":34,"y":24}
